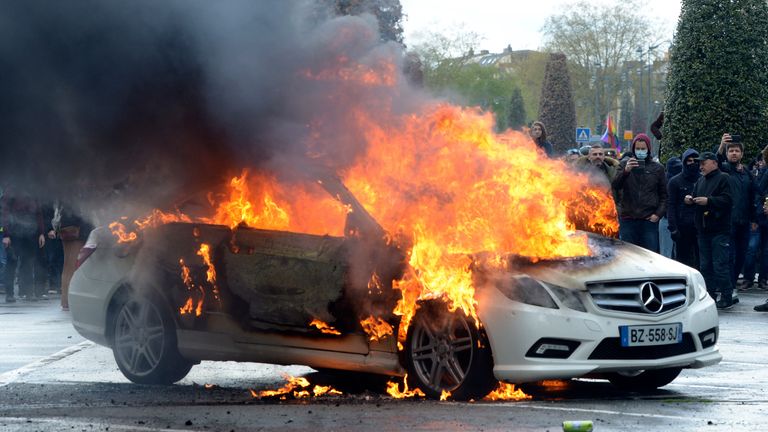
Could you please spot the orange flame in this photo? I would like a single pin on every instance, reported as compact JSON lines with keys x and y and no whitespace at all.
{"x":376,"y":328}
{"x":119,"y":231}
{"x":323,"y":327}
{"x":453,"y":186}
{"x":205,"y":253}
{"x":506,"y":391}
{"x":393,"y":389}
{"x":298,"y":387}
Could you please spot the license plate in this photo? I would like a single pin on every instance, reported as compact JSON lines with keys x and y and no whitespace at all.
{"x":654,"y":334}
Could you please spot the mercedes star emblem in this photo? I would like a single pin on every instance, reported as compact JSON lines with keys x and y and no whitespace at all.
{"x":651,"y":298}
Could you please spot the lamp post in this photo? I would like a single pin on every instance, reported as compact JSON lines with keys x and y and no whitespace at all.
{"x":597,"y":97}
{"x":650,"y":88}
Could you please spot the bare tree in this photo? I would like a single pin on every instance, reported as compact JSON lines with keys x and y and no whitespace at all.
{"x":599,"y":41}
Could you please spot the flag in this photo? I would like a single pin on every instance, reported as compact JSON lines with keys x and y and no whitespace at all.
{"x":609,"y":136}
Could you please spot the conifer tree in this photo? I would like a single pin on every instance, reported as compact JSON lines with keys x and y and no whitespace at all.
{"x":556,"y":107}
{"x":718,"y":77}
{"x":516,"y":116}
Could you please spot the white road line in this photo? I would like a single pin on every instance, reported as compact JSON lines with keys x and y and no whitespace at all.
{"x":11,"y":376}
{"x":66,"y":421}
{"x":588,"y":410}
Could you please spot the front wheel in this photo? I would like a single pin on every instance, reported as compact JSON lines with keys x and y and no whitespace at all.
{"x":144,"y":344}
{"x":644,"y":380}
{"x":445,"y":352}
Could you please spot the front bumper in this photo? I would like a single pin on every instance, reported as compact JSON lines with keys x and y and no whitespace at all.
{"x":513,"y":328}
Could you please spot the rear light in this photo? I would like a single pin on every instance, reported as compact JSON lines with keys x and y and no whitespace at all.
{"x":88,"y":249}
{"x":83,"y":255}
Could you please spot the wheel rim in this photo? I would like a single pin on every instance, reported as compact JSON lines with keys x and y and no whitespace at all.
{"x":442,"y":357}
{"x":139,"y":337}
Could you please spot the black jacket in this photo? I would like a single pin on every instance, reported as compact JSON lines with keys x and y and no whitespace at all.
{"x":715,"y":217}
{"x":742,"y":194}
{"x":680,"y":214}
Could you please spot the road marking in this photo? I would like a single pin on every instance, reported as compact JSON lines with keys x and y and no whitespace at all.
{"x":89,"y":424}
{"x":13,"y":375}
{"x":589,"y":410}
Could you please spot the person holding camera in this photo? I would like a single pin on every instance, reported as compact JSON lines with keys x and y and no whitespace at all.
{"x":712,"y":203}
{"x":680,"y":215}
{"x":641,"y":186}
{"x":743,"y":218}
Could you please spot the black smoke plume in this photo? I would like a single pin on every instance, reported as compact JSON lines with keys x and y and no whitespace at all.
{"x":146,"y":99}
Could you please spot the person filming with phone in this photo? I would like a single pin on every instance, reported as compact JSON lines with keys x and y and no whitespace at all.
{"x":712,"y":203}
{"x":743,"y":217}
{"x":641,"y":185}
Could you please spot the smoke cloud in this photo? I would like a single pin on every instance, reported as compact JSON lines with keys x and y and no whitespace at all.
{"x":147,"y":99}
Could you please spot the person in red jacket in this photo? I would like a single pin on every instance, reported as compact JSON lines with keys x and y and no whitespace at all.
{"x":21,"y":219}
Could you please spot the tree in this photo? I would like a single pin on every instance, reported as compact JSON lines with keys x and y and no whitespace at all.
{"x":557,"y":110}
{"x":599,"y":40}
{"x":516,"y":113}
{"x":389,"y":14}
{"x":718,"y":78}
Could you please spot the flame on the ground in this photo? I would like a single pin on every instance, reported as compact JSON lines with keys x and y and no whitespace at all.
{"x":445,"y":395}
{"x":393,"y":389}
{"x":297,"y":387}
{"x":324,"y":327}
{"x":506,"y":391}
{"x":376,"y":328}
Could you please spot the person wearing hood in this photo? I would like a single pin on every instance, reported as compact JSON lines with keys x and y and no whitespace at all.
{"x":680,"y":216}
{"x":641,"y":185}
{"x":539,"y":135}
{"x":666,"y":245}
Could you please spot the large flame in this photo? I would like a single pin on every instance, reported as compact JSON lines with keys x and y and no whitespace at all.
{"x":452,"y":185}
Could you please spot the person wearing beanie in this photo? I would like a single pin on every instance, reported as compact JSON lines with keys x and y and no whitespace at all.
{"x":641,"y":186}
{"x":680,"y":216}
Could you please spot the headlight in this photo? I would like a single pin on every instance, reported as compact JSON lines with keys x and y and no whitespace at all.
{"x":699,"y":285}
{"x":525,"y":289}
{"x":568,"y":297}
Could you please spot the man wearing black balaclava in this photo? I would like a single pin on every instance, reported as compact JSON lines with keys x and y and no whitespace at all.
{"x":680,"y":216}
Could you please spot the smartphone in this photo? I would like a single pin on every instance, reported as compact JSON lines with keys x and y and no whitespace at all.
{"x":640,"y":165}
{"x":735,"y":138}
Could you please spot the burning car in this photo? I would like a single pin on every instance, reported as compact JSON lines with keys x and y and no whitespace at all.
{"x":191,"y":289}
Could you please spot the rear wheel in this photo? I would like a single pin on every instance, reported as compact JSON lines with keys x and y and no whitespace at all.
{"x":446,"y":352}
{"x":144,"y":345}
{"x":644,"y":380}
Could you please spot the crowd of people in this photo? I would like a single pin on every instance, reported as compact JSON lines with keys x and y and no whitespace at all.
{"x":39,"y":248}
{"x":706,"y":209}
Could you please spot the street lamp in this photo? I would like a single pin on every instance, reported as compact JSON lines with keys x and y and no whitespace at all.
{"x":597,"y":97}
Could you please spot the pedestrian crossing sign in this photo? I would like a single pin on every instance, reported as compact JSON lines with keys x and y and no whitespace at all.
{"x":583,"y":134}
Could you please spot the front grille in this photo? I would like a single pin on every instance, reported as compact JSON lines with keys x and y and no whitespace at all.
{"x":611,"y":349}
{"x":624,"y":296}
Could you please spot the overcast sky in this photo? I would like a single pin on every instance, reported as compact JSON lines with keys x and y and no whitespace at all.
{"x":507,"y":22}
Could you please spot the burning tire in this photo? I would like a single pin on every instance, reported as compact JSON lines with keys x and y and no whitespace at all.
{"x":446,"y":352}
{"x":144,"y":344}
{"x":644,"y":380}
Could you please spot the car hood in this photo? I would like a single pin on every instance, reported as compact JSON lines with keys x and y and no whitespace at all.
{"x":611,"y":260}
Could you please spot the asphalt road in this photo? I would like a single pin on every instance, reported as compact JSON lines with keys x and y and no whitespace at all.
{"x":51,"y":379}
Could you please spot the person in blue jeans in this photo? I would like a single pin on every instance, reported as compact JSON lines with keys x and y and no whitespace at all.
{"x":641,"y":185}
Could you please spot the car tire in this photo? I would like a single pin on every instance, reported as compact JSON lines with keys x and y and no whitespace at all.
{"x":144,"y":342}
{"x":644,"y":381}
{"x":445,"y":351}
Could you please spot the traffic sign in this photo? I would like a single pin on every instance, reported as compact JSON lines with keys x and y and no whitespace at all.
{"x":628,"y":135}
{"x":583,"y":134}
